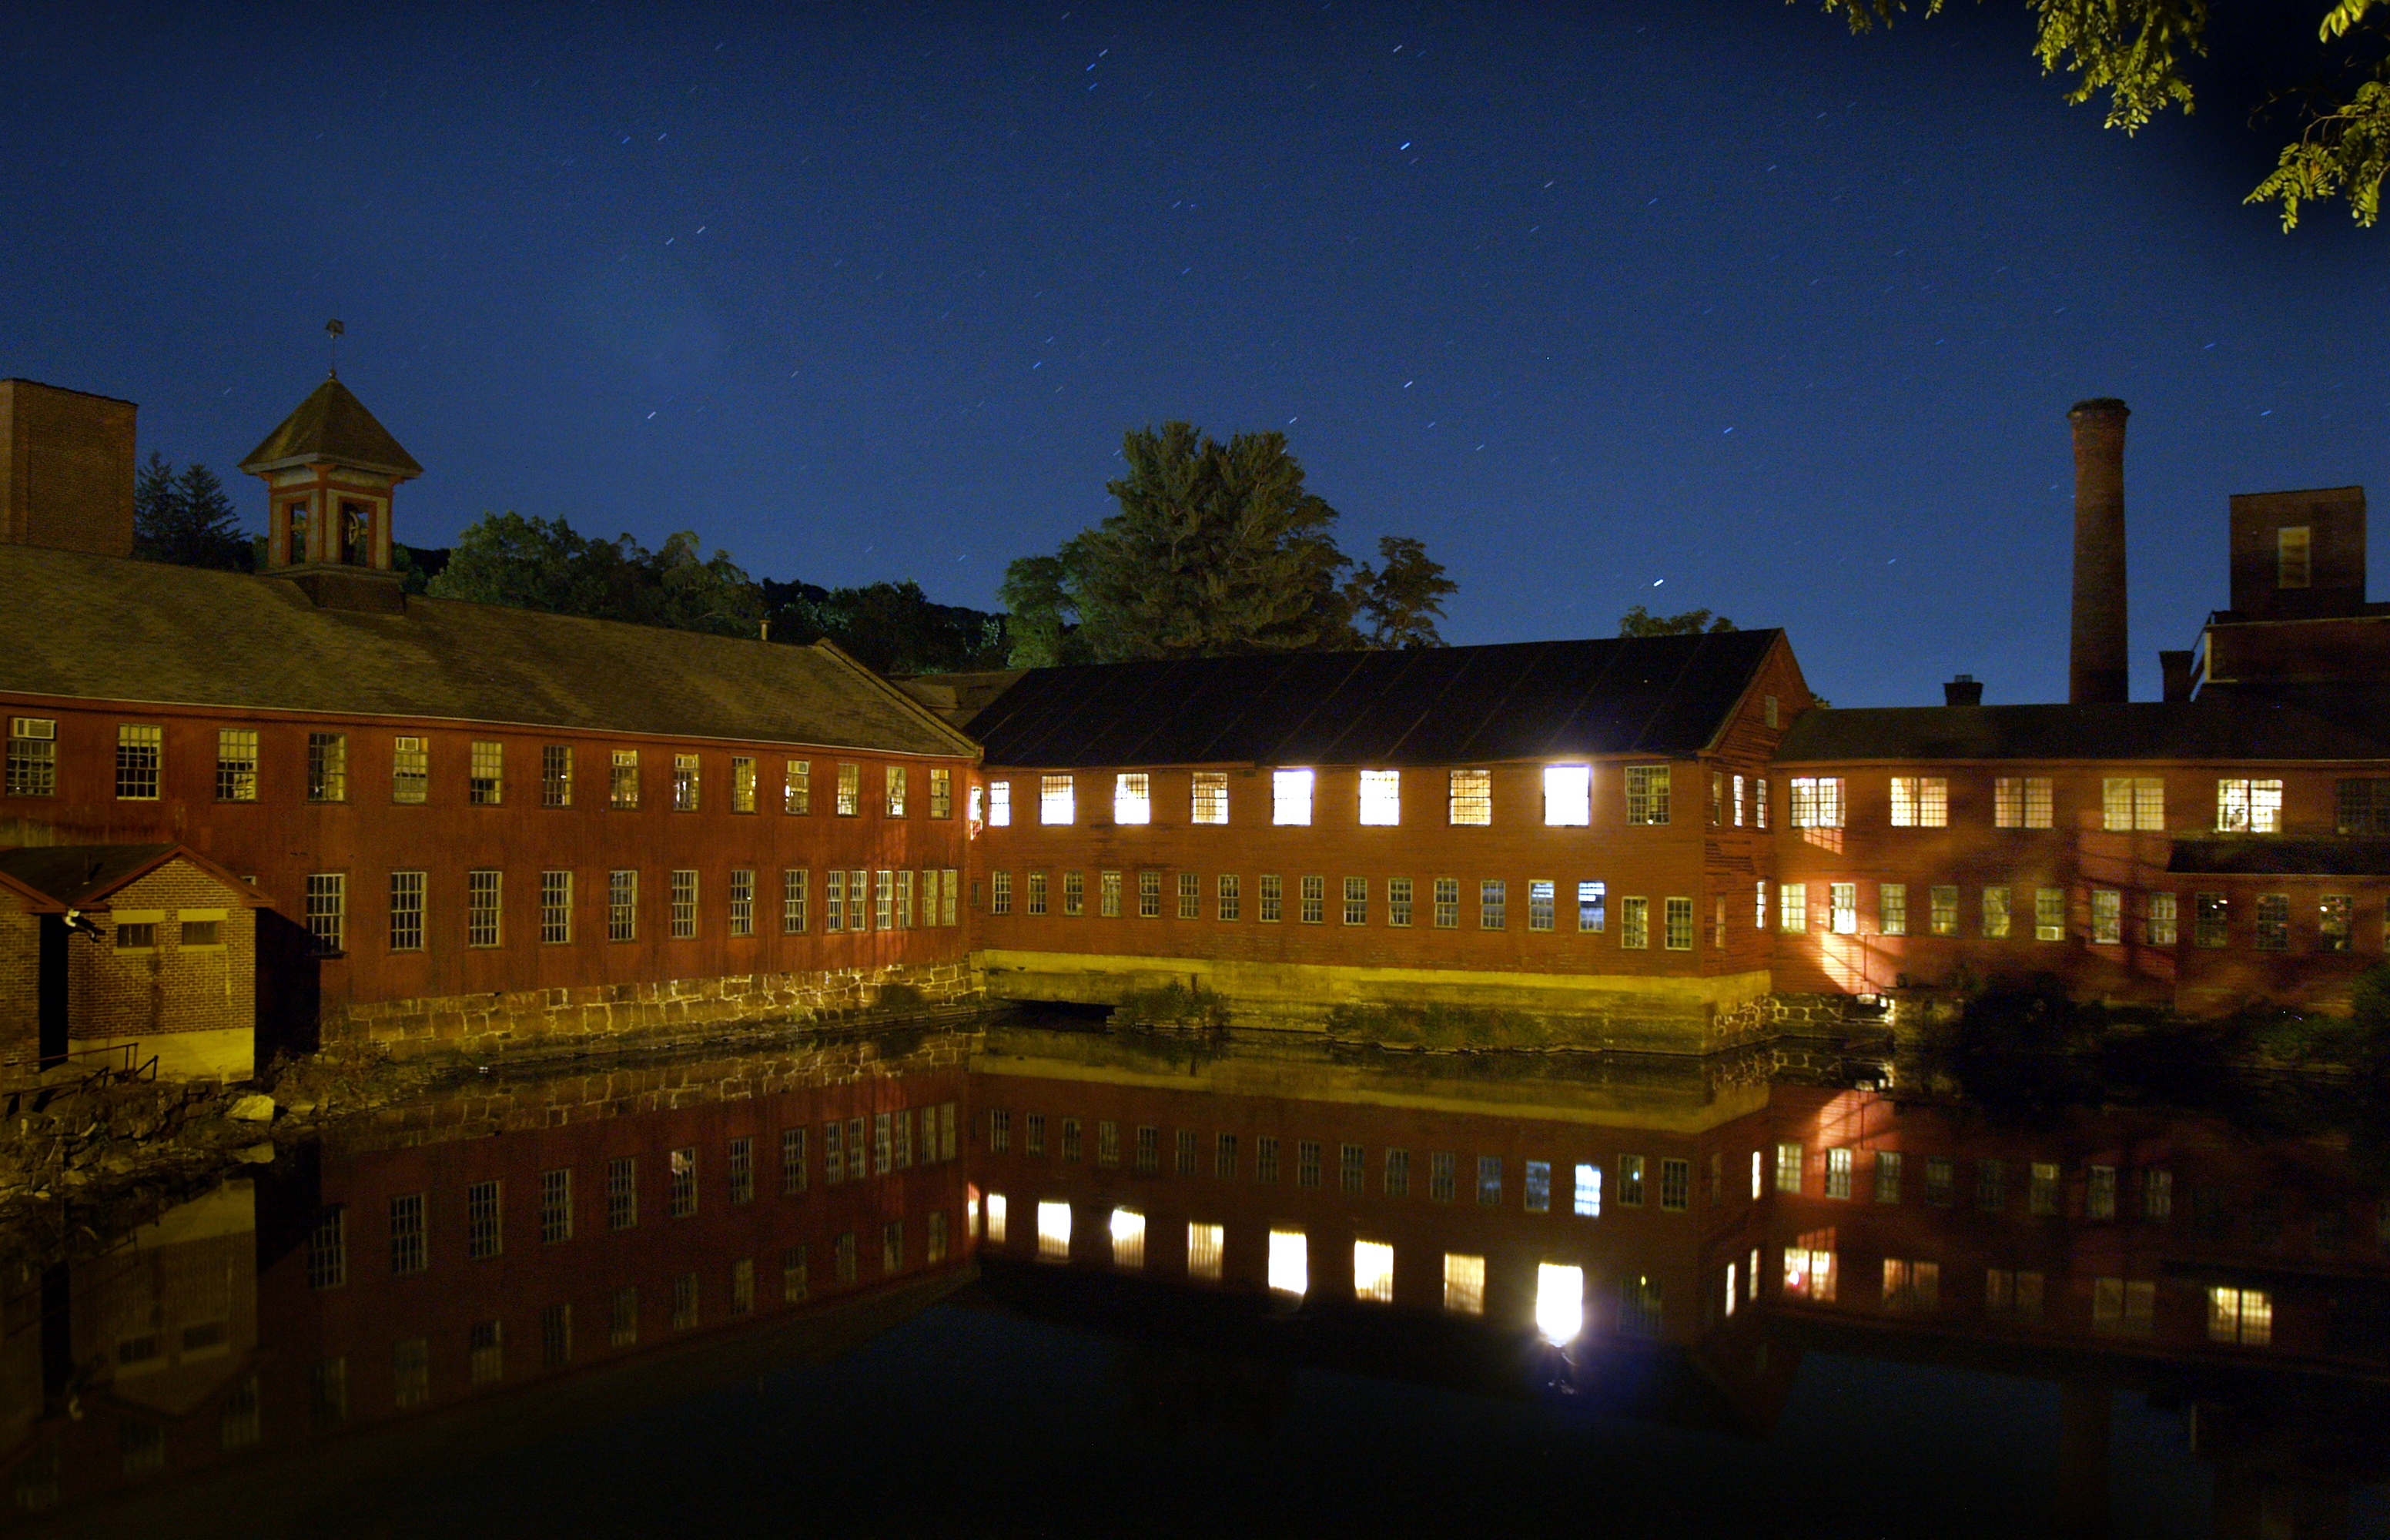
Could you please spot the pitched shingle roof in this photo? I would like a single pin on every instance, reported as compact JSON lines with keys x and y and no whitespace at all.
{"x":81,"y":877}
{"x":107,"y":628}
{"x":2242,"y":727}
{"x":332,"y":424}
{"x":1652,"y":695}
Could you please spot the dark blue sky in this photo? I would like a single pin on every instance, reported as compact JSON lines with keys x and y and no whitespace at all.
{"x":1587,"y":297}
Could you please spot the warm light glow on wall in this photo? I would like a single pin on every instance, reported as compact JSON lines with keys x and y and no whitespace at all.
{"x":1054,"y":1231}
{"x":1373,"y":1271}
{"x":1464,"y":1284}
{"x":1290,"y":1263}
{"x":1290,"y":796}
{"x":1203,"y":1251}
{"x":1568,"y":795}
{"x":1128,"y":1239}
{"x":1560,"y":1300}
{"x":996,"y":1218}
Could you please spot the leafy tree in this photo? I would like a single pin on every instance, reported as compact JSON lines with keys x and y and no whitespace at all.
{"x":545,"y":564}
{"x":1639,"y":621}
{"x":185,"y":518}
{"x":1217,"y":549}
{"x":2138,"y":52}
{"x":1399,"y":603}
{"x":892,"y":627}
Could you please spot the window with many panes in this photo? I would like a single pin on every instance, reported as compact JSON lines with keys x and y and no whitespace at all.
{"x":556,"y":774}
{"x":622,"y":780}
{"x":1108,"y":894}
{"x":482,"y":1236}
{"x":1646,"y":793}
{"x":685,"y":783}
{"x":1057,"y":801}
{"x":2246,"y":807}
{"x":328,"y":767}
{"x":1891,"y":908}
{"x":684,"y":904}
{"x":1995,"y":913}
{"x":1471,"y":797}
{"x":235,"y":765}
{"x":140,"y":759}
{"x":1792,"y":906}
{"x":1447,"y":902}
{"x":408,"y":1251}
{"x":1398,"y":902}
{"x":1921,"y":802}
{"x":1592,"y":907}
{"x":1842,"y":909}
{"x":1676,"y":924}
{"x":407,"y":911}
{"x":1491,"y":899}
{"x":556,"y":1206}
{"x":33,"y":765}
{"x":1210,"y":798}
{"x":1132,"y":797}
{"x":2208,"y":920}
{"x":2021,"y":801}
{"x":1540,"y":904}
{"x":2332,"y":913}
{"x":1635,"y":922}
{"x":1382,"y":798}
{"x":2361,"y":806}
{"x":896,"y":790}
{"x":482,"y":889}
{"x":623,"y":1193}
{"x":741,"y":918}
{"x":622,"y":906}
{"x":2107,"y":917}
{"x":1313,"y":894}
{"x":742,"y":783}
{"x":2159,"y":919}
{"x":486,"y":783}
{"x":797,"y":787}
{"x":999,"y":895}
{"x":794,"y":882}
{"x":2273,"y":922}
{"x":1290,"y":796}
{"x":1942,"y":912}
{"x":1148,"y":895}
{"x":1231,"y":900}
{"x":2130,"y":802}
{"x":1817,"y":802}
{"x":2050,"y":914}
{"x":942,"y":791}
{"x":327,"y":913}
{"x":1191,"y":897}
{"x":1075,"y":893}
{"x":555,"y":907}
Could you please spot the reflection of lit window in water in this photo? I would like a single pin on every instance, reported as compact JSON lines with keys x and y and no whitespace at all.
{"x":1203,"y":1251}
{"x":1128,"y":1239}
{"x":996,"y":1218}
{"x":1290,"y":1264}
{"x":1560,"y":1300}
{"x":1373,"y":1271}
{"x":1054,"y":1231}
{"x":1464,"y":1284}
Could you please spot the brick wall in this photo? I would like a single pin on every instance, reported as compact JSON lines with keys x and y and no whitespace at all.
{"x":116,"y":993}
{"x":20,"y":975}
{"x":66,"y":468}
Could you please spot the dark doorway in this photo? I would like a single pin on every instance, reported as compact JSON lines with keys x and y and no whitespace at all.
{"x":50,"y":991}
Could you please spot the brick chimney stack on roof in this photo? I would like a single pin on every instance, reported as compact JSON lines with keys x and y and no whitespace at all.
{"x":2096,"y":669}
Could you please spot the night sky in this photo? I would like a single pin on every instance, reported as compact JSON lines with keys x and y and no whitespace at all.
{"x":1680,"y":304}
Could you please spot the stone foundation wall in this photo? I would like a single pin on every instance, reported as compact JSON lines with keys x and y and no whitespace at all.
{"x":490,"y":1027}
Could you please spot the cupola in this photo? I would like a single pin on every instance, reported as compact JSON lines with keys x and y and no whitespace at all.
{"x":329,"y":471}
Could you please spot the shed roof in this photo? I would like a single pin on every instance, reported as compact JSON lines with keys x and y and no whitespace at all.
{"x":2240,"y":726}
{"x":108,"y":628}
{"x":81,"y":877}
{"x":332,"y":424}
{"x":1650,"y":695}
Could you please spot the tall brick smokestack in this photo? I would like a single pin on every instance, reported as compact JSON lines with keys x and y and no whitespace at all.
{"x":2095,"y":668}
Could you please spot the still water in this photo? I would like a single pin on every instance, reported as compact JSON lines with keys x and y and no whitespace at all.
{"x":1039,"y":1280}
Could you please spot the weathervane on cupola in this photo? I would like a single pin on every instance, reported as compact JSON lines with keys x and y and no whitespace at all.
{"x":330,"y":470}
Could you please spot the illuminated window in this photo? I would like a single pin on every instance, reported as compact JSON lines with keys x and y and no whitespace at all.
{"x":1382,"y":798}
{"x":1464,"y":1284}
{"x":1910,"y":1285}
{"x":942,"y":791}
{"x":556,"y":774}
{"x":895,"y":790}
{"x":797,"y":787}
{"x":847,"y":797}
{"x":1759,"y":811}
{"x":1055,"y":803}
{"x":1590,"y":906}
{"x":999,"y":895}
{"x":235,"y":765}
{"x":883,"y":900}
{"x":1211,"y":798}
{"x":1539,"y":906}
{"x":1539,"y":1186}
{"x":1842,"y":907}
{"x":1995,"y":913}
{"x":1676,"y":924}
{"x":1290,"y":796}
{"x":1054,"y":1231}
{"x":1075,"y":893}
{"x":622,"y":780}
{"x":794,"y":883}
{"x":1560,"y":1300}
{"x":2132,"y":803}
{"x":1589,"y":1192}
{"x":1132,"y":797}
{"x":140,"y":755}
{"x":996,"y":1218}
{"x":327,"y":913}
{"x":2210,"y":916}
{"x":1738,"y":789}
{"x":1891,"y":908}
{"x":33,"y":766}
{"x":486,"y":781}
{"x":2050,"y":914}
{"x":2243,"y":1316}
{"x":622,"y":906}
{"x":1447,"y":902}
{"x":2291,"y":554}
{"x":1568,"y":797}
{"x":1128,"y":1239}
{"x":2333,"y":922}
{"x":2249,"y":806}
{"x":1108,"y":894}
{"x":1792,"y":906}
{"x":1630,"y":1181}
{"x":1635,"y":922}
{"x":1809,"y":1271}
{"x":999,"y":804}
{"x":685,"y":783}
{"x":1887,"y":1176}
{"x":1646,"y":793}
{"x":2021,"y":801}
{"x":1717,"y":798}
{"x":1920,"y":802}
{"x":1943,"y":910}
{"x":684,"y":904}
{"x":1838,"y":1174}
{"x":1471,"y":797}
{"x":1290,"y":1263}
{"x":1203,"y":1249}
{"x":1817,"y":802}
{"x":742,"y":783}
{"x":1373,"y":1271}
{"x":555,"y":907}
{"x":1491,"y":898}
{"x":1230,"y":902}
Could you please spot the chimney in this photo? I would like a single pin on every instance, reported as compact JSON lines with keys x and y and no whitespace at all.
{"x":2096,"y":669}
{"x":1965,"y":690}
{"x":2176,"y":667}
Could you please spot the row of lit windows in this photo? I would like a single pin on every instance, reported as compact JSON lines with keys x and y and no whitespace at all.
{"x":2001,"y":911}
{"x":851,"y":1149}
{"x":2243,"y":804}
{"x":1189,"y":1152}
{"x":31,"y":771}
{"x":1468,"y":796}
{"x":2125,"y":1307}
{"x":1397,"y":907}
{"x":850,"y":900}
{"x":1559,"y":1307}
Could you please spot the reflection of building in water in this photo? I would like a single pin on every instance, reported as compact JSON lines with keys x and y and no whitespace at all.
{"x":413,"y":1271}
